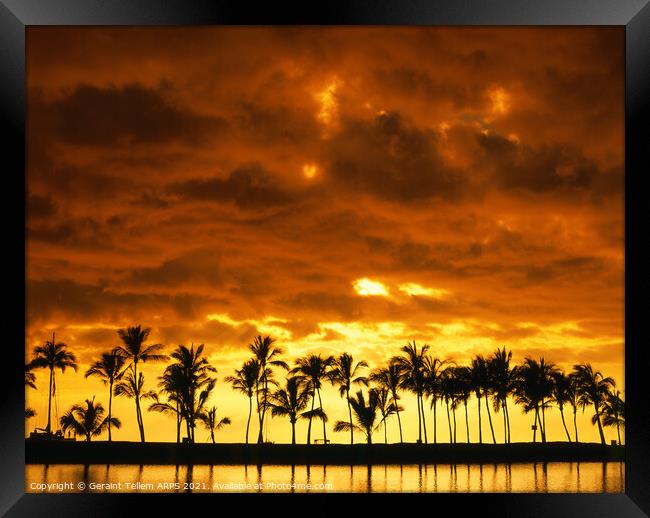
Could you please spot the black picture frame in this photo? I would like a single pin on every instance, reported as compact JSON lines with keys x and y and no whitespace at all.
{"x":16,"y":15}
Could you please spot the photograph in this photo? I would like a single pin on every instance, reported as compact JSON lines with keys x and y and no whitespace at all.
{"x":325,"y":259}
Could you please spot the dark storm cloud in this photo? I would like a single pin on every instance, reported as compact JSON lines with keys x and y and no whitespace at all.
{"x":40,"y":206}
{"x":567,"y":267}
{"x":540,"y":170}
{"x":248,"y":187}
{"x":199,"y":267}
{"x":392,"y":158}
{"x":132,"y":113}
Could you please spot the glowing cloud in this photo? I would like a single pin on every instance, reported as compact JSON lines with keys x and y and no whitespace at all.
{"x":417,"y":290}
{"x":500,"y":100}
{"x":310,"y":170}
{"x":367,"y":287}
{"x":329,"y":110}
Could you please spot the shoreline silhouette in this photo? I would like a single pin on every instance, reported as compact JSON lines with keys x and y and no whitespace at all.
{"x":118,"y":452}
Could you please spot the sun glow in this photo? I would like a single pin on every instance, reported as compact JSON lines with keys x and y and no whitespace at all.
{"x":368,"y":287}
{"x":329,"y":109}
{"x":500,"y":100}
{"x":310,"y":170}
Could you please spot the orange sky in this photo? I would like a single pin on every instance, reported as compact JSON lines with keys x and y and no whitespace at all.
{"x":343,"y":189}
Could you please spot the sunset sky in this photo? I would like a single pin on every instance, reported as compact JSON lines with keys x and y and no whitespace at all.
{"x":342,"y":189}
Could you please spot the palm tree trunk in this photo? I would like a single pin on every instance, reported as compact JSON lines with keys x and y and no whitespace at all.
{"x":138,"y":412}
{"x":435,"y":432}
{"x":453,"y":410}
{"x":575,"y":421}
{"x":386,"y":432}
{"x":535,"y":425}
{"x":110,"y":402}
{"x":424,"y":422}
{"x":448,"y":419}
{"x":600,"y":425}
{"x":466,"y":421}
{"x":320,"y":401}
{"x":487,"y":405}
{"x":293,"y":432}
{"x":212,"y":435}
{"x":505,"y":406}
{"x":178,"y":424}
{"x":417,"y":397}
{"x":259,"y":412}
{"x":480,"y":429}
{"x":347,"y":397}
{"x":564,"y":423}
{"x":543,"y":422}
{"x":250,"y":412}
{"x":399,"y":421}
{"x":313,"y":402}
{"x":505,"y":426}
{"x":618,"y":430}
{"x":49,"y":405}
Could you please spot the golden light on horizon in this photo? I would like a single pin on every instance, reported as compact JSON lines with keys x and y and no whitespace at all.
{"x":368,"y":287}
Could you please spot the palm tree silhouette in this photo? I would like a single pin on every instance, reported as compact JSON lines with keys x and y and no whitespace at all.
{"x":482,"y":385}
{"x":448,"y":389}
{"x":134,"y":350}
{"x":365,"y":414}
{"x":386,"y":406}
{"x":109,"y":370}
{"x":246,"y":381}
{"x":503,"y":379}
{"x":561,"y":395}
{"x":267,"y":357}
{"x":614,"y":413}
{"x":52,"y":355}
{"x":411,"y":364}
{"x":313,"y":370}
{"x":30,"y":381}
{"x":533,"y":386}
{"x":192,"y":375}
{"x":433,"y":368}
{"x":133,"y":388}
{"x":390,"y":378}
{"x":344,"y":374}
{"x":290,"y":402}
{"x":87,"y":419}
{"x":210,"y":422}
{"x":463,"y":376}
{"x":593,"y":389}
{"x":171,"y":385}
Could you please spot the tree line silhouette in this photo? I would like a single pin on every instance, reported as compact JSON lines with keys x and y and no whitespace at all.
{"x":187,"y":382}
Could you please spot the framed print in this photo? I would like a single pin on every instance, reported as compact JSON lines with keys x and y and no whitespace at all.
{"x":380,"y":249}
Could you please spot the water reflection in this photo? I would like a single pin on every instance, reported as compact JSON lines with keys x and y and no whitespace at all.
{"x":593,"y":477}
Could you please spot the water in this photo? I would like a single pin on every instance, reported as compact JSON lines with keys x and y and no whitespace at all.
{"x":551,"y":477}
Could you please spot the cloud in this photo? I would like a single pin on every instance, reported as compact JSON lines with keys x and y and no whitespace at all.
{"x":122,"y":115}
{"x":391,"y":158}
{"x":249,"y":187}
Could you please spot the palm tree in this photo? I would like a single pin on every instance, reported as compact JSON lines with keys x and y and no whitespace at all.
{"x":109,"y":370}
{"x":593,"y":389}
{"x":503,"y":378}
{"x":614,"y":412}
{"x":52,"y":355}
{"x":133,"y":388}
{"x":447,"y":391}
{"x":313,"y":370}
{"x":533,"y":386}
{"x":171,"y":384}
{"x":209,"y":420}
{"x":390,"y":378}
{"x":192,"y":375}
{"x":411,"y":364}
{"x":87,"y":420}
{"x":432,"y":386}
{"x":386,"y":406}
{"x":30,"y":381}
{"x":246,"y":381}
{"x":482,"y":385}
{"x":365,"y":414}
{"x":463,"y":377}
{"x":134,"y":350}
{"x":267,"y":357}
{"x":290,"y":401}
{"x":30,"y":377}
{"x":344,"y":374}
{"x":561,"y":395}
